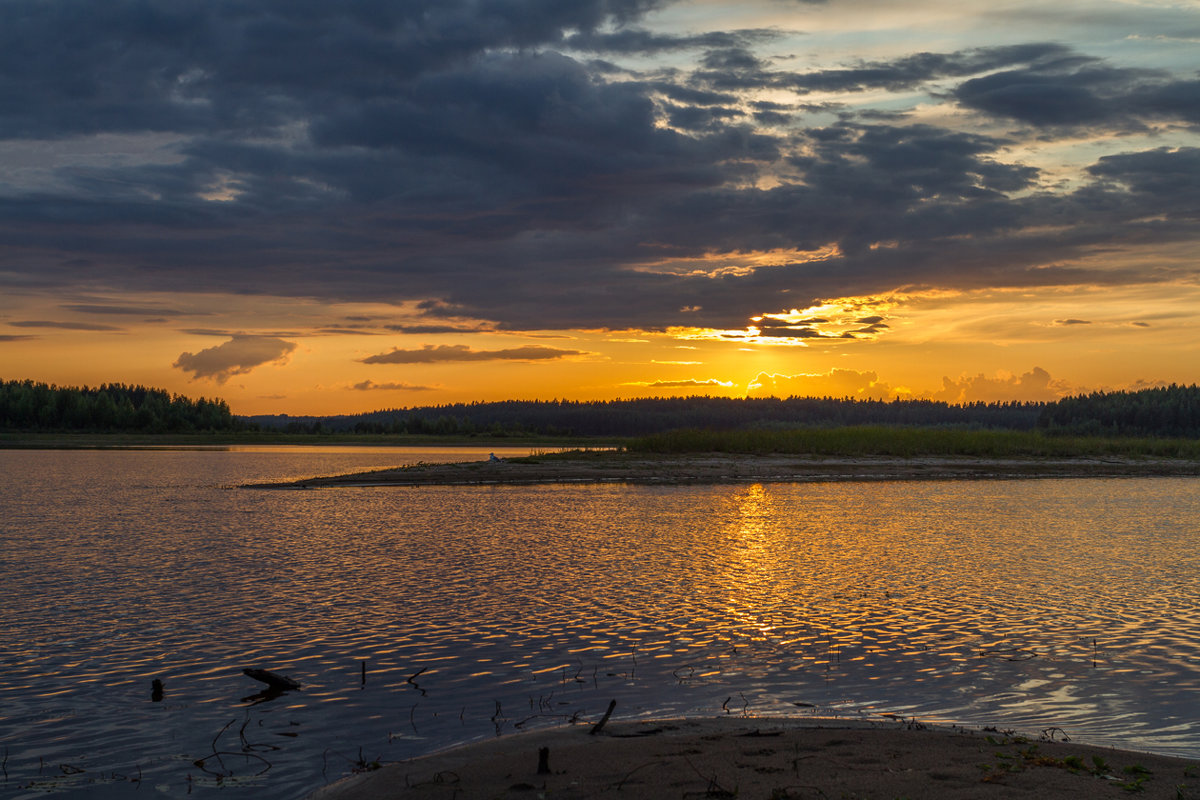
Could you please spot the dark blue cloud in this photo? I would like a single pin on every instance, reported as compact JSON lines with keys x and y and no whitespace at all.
{"x":463,"y":151}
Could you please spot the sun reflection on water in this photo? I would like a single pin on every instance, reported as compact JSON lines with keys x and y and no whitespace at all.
{"x":420,"y":617}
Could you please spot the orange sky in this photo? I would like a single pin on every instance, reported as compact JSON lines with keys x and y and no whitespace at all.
{"x":987,"y":345}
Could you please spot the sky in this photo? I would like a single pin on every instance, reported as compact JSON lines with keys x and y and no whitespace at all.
{"x":314,"y":207}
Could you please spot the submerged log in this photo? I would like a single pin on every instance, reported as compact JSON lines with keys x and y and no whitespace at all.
{"x":272,"y":679}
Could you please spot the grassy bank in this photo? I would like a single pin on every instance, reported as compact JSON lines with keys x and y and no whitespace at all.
{"x":911,"y":443}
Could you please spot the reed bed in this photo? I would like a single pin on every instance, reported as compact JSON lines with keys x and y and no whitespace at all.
{"x":911,"y":443}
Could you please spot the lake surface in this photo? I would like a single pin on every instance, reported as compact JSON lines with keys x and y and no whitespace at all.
{"x":476,"y":611}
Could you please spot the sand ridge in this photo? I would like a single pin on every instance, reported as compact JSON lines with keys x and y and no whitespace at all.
{"x":712,"y":468}
{"x":774,"y":759}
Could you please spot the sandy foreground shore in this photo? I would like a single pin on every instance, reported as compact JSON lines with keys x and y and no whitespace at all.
{"x":619,"y":467}
{"x":774,"y":760}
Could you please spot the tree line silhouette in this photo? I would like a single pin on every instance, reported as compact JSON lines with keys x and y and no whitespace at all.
{"x":1165,"y":411}
{"x":109,"y":408}
{"x":644,"y":416}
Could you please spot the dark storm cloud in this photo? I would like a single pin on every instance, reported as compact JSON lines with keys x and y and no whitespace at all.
{"x":1083,"y":93}
{"x":427,"y":329}
{"x":1069,"y":322}
{"x":453,"y":152}
{"x":129,"y":311}
{"x":431,"y":354}
{"x":66,"y":326}
{"x":1165,"y":174}
{"x":201,"y":65}
{"x":10,"y":337}
{"x":912,"y":71}
{"x":738,"y":68}
{"x":643,"y":42}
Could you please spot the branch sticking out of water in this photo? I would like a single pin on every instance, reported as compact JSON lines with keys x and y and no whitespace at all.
{"x":604,"y":720}
{"x":411,"y":679}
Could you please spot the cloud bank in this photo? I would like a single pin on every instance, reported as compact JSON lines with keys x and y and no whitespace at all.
{"x":529,"y":164}
{"x":434,"y":354}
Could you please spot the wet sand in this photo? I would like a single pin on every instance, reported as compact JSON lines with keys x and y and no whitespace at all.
{"x":774,"y":760}
{"x":620,"y":467}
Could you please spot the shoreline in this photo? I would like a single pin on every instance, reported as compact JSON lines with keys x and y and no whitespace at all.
{"x":773,"y":758}
{"x":724,"y":468}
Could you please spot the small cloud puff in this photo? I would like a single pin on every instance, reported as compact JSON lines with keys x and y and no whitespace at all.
{"x":372,"y":386}
{"x":430,"y":354}
{"x":689,"y":383}
{"x":239,"y":355}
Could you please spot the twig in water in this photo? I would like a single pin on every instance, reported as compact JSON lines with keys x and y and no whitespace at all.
{"x":604,"y":720}
{"x":218,"y":736}
{"x":414,"y":683}
{"x":498,"y":719}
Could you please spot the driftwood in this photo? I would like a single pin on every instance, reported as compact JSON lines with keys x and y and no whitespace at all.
{"x":274,"y":680}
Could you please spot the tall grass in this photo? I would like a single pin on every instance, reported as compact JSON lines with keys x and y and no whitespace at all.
{"x":909,"y":442}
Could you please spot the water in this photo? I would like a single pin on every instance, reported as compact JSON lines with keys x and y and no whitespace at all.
{"x":1030,"y":605}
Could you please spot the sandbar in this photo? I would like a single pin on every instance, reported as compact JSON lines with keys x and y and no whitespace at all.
{"x":774,"y":759}
{"x":636,"y":468}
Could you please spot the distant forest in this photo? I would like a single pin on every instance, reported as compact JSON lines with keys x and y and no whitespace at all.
{"x":1168,"y":411}
{"x":110,"y":408}
{"x":654,"y":415}
{"x":1172,"y":411}
{"x":1165,"y":411}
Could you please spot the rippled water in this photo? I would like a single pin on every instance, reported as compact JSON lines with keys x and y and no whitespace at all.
{"x":481,"y":610}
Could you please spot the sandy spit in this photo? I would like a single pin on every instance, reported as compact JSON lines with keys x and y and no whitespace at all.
{"x":615,"y":467}
{"x":774,"y":760}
